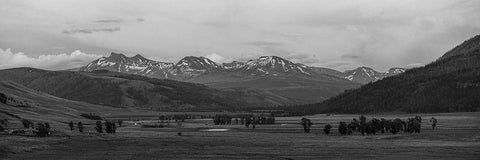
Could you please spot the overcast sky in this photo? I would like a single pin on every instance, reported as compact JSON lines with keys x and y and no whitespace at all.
{"x":339,"y":34}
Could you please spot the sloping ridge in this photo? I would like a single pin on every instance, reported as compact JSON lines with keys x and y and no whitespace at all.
{"x":470,"y":46}
{"x":450,"y":84}
{"x":50,"y":108}
{"x":132,"y":91}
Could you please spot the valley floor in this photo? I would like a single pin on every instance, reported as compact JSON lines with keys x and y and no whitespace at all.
{"x":458,"y":137}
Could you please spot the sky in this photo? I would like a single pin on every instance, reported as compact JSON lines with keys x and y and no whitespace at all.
{"x":338,"y":34}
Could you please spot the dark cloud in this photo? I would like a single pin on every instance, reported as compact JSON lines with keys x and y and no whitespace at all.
{"x":90,"y":31}
{"x":263,"y":43}
{"x":298,"y":56}
{"x":140,"y":19}
{"x":349,"y":56}
{"x":109,"y":21}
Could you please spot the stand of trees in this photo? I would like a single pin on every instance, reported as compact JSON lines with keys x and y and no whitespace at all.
{"x":374,"y":126}
{"x":110,"y":126}
{"x":226,"y":119}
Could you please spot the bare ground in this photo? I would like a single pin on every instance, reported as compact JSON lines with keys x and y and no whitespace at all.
{"x":284,"y":140}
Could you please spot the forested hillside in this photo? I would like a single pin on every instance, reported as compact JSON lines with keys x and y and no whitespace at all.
{"x":450,"y":84}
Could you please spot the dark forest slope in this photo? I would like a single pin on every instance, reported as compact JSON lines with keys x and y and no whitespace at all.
{"x":450,"y":84}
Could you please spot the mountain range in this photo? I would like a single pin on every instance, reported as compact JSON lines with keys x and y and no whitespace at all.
{"x":451,"y":83}
{"x":365,"y":74}
{"x":190,"y":67}
{"x":274,"y":76}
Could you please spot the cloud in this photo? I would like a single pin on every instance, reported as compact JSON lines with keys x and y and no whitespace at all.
{"x":217,"y":58}
{"x":382,"y":33}
{"x":350,"y":56}
{"x":263,"y":43}
{"x":304,"y":59}
{"x":8,"y":59}
{"x":293,"y":35}
{"x":412,"y":65}
{"x":90,"y":31}
{"x":109,"y":21}
{"x":341,"y":65}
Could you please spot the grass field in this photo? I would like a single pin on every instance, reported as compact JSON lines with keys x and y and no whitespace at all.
{"x":457,"y":137}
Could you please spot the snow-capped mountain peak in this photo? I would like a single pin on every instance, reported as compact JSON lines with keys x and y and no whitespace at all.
{"x":273,"y":65}
{"x":396,"y":70}
{"x":366,"y":74}
{"x":233,"y":65}
{"x":270,"y":61}
{"x":192,"y":66}
{"x":135,"y":65}
{"x":193,"y":62}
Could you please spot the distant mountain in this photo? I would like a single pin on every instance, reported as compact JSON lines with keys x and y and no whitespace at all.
{"x":272,"y":66}
{"x":280,"y":77}
{"x":269,"y":75}
{"x":272,"y":75}
{"x":394,"y":71}
{"x":191,"y":66}
{"x":449,"y":84}
{"x":133,"y":65}
{"x":132,"y":91}
{"x":365,"y":74}
{"x":328,"y":71}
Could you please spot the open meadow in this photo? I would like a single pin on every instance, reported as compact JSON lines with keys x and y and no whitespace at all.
{"x":457,"y":137}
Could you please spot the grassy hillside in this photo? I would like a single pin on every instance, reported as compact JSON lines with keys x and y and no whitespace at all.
{"x":450,"y":84}
{"x":131,"y":91}
{"x":50,"y":109}
{"x":287,"y":89}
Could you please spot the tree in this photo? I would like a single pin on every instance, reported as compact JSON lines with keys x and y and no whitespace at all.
{"x":108,"y":126}
{"x":26,"y":123}
{"x":99,"y":127}
{"x":71,"y":125}
{"x":327,"y":128}
{"x":120,"y":123}
{"x":80,"y":126}
{"x":42,"y":130}
{"x":114,"y":128}
{"x":47,"y":125}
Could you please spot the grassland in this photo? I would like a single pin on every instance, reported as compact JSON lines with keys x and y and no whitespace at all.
{"x":457,"y":137}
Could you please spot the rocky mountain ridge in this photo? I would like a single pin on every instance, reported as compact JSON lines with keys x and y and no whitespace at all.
{"x":190,"y":67}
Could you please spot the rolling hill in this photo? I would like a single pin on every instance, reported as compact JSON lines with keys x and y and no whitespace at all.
{"x":132,"y":91}
{"x":49,"y":108}
{"x":449,"y":84}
